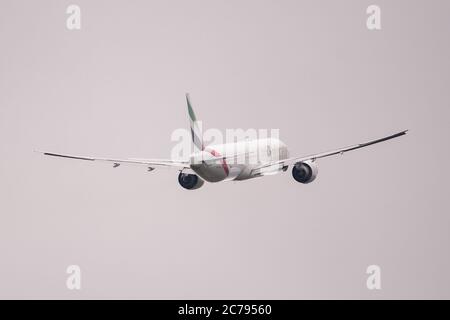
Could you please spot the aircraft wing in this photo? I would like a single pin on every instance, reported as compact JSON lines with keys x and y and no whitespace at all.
{"x":313,"y":157}
{"x":150,"y":163}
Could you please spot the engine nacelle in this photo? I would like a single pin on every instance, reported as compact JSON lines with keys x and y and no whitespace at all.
{"x":305,"y":172}
{"x":190,"y":181}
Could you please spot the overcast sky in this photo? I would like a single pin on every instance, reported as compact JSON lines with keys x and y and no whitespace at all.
{"x":311,"y":69}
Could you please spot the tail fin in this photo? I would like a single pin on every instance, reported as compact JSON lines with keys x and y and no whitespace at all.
{"x":196,"y":132}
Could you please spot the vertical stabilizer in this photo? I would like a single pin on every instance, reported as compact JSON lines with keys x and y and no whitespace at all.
{"x":196,"y":132}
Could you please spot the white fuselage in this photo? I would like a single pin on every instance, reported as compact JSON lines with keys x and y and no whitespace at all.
{"x":241,"y":160}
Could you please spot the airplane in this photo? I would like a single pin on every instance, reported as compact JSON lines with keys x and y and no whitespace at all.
{"x":215,"y":163}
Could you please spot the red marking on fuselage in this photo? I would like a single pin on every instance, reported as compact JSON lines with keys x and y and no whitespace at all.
{"x":224,"y":163}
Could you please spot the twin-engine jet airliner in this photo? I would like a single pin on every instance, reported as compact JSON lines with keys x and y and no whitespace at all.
{"x":224,"y":162}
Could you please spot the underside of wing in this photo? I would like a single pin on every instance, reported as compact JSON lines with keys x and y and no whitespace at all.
{"x":339,"y":151}
{"x":150,"y":163}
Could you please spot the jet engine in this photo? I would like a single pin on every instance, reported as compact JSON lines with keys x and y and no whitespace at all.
{"x":190,"y":181}
{"x":305,"y":172}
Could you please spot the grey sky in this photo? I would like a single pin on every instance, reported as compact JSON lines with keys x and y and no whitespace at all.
{"x":309,"y":68}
